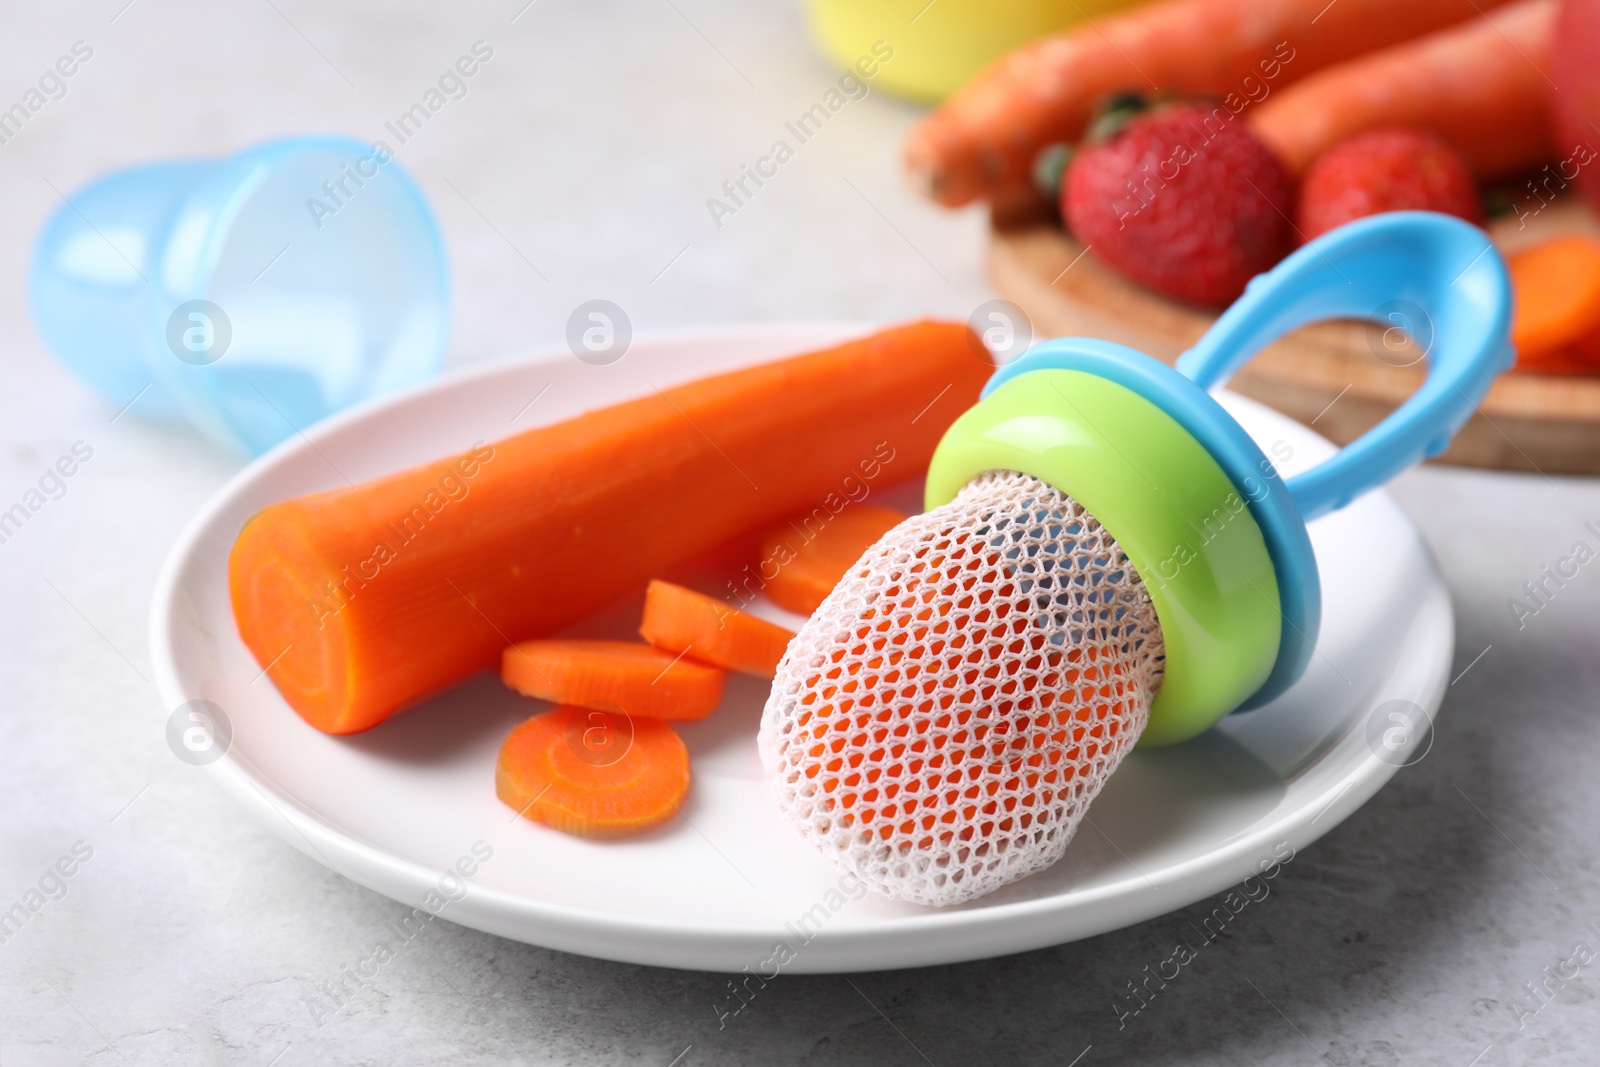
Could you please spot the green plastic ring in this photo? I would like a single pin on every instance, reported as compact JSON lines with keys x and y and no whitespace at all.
{"x":1183,"y":524}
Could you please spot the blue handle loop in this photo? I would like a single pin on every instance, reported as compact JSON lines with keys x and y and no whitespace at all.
{"x":1435,"y":276}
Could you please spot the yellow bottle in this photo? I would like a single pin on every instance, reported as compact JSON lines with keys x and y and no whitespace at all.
{"x":938,"y":45}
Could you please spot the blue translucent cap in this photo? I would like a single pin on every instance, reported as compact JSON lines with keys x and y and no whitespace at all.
{"x":250,"y":295}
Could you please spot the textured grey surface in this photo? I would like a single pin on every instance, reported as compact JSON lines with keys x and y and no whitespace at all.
{"x":585,"y":151}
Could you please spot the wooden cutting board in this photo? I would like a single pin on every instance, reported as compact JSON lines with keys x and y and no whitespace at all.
{"x":1340,"y":377}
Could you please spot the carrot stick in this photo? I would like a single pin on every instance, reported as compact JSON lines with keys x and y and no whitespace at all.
{"x":362,"y":600}
{"x":593,"y":774}
{"x":1480,"y":86}
{"x":1557,"y":289}
{"x":812,"y":555}
{"x":983,"y":140}
{"x":680,"y":620}
{"x":620,"y":676}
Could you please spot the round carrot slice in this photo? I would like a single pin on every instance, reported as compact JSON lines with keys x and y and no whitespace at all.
{"x":679,"y":620}
{"x":1557,"y":286}
{"x":813,"y":553}
{"x":593,"y":773}
{"x":617,"y":676}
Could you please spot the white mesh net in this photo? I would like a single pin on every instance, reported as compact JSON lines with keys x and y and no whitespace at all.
{"x":942,"y":721}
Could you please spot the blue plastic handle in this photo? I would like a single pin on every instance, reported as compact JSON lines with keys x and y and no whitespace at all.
{"x":1433,"y":276}
{"x":1437,"y":277}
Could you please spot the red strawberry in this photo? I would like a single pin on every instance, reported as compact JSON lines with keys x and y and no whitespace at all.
{"x":1396,"y":169}
{"x":1183,"y":199}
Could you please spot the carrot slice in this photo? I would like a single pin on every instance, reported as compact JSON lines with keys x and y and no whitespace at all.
{"x":362,"y":600}
{"x":592,"y":773}
{"x":680,"y":620}
{"x":1563,"y":362}
{"x":623,"y":676}
{"x":982,"y":142}
{"x":1479,"y":86}
{"x":812,"y":555}
{"x":1557,"y":287}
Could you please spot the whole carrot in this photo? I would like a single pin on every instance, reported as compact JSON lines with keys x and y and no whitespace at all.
{"x":1480,"y":86}
{"x":983,"y":140}
{"x":362,"y":600}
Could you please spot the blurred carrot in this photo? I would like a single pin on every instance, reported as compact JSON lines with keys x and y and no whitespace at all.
{"x":1557,"y":289}
{"x":592,"y":774}
{"x":1481,"y":87}
{"x":811,"y":560}
{"x":636,"y":679}
{"x":983,"y":140}
{"x":679,"y":620}
{"x":1566,"y":362}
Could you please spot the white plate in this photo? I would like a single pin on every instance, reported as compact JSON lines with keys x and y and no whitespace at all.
{"x":397,"y":807}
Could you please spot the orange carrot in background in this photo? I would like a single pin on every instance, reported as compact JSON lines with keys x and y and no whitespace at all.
{"x":588,"y":773}
{"x":679,"y":620}
{"x":362,"y":600}
{"x":813,"y":552}
{"x":622,"y":676}
{"x":983,"y":140}
{"x":1575,"y":360}
{"x":1480,"y":86}
{"x":1557,"y":288}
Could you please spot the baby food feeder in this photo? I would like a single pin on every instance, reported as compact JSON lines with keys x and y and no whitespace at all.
{"x":1108,"y":558}
{"x":251,"y":295}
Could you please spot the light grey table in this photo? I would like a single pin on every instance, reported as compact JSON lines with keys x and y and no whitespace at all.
{"x":578,"y":165}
